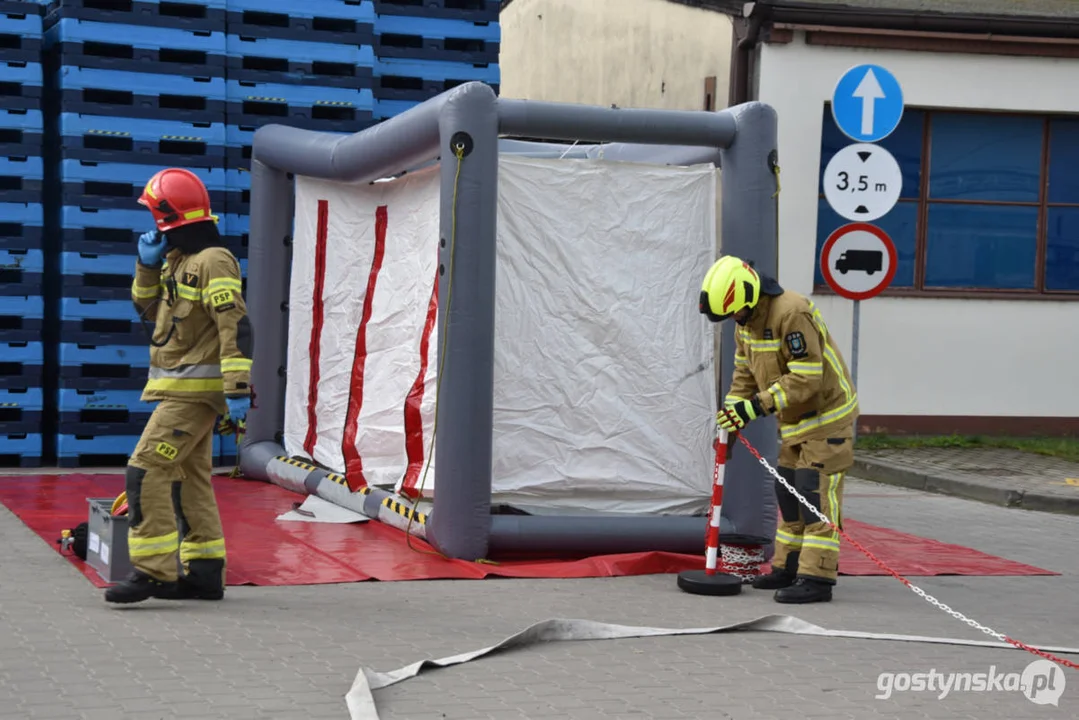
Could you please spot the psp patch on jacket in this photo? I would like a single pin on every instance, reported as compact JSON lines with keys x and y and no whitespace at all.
{"x":223,"y":300}
{"x":796,"y":344}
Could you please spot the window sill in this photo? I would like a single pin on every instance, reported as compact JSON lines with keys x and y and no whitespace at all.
{"x":966,"y":294}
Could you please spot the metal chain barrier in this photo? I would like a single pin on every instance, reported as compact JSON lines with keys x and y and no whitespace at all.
{"x":742,"y":562}
{"x":914,"y":588}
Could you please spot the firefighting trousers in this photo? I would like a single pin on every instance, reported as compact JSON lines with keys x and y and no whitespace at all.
{"x":173,"y":522}
{"x":815,"y":468}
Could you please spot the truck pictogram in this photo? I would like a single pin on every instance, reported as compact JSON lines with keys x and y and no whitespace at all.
{"x":868,"y":261}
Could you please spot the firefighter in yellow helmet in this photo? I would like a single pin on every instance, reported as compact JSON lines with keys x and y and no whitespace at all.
{"x":189,"y":283}
{"x":786,"y":364}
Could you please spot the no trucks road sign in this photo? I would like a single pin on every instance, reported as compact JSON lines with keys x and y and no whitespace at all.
{"x":858,"y":261}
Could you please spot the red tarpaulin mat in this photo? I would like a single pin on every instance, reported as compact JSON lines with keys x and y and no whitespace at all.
{"x":263,"y":551}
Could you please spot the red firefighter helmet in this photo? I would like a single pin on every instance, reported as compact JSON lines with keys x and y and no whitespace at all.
{"x":176,"y":197}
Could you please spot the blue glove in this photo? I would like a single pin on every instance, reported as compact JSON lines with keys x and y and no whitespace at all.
{"x":238,"y":407}
{"x":151,"y":248}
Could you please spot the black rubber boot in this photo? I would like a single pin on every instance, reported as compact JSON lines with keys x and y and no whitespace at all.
{"x":188,"y":590}
{"x":203,"y":582}
{"x":774,"y":580}
{"x":805,"y":590}
{"x":139,"y":586}
{"x":779,"y":577}
{"x":204,"y":579}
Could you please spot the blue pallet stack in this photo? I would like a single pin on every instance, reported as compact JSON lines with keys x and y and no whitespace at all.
{"x":98,"y":95}
{"x":425,"y":47}
{"x":305,"y":64}
{"x":308,"y":65}
{"x":22,"y":257}
{"x":134,"y":87}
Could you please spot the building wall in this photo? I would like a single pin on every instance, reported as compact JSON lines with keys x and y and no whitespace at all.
{"x":632,"y":53}
{"x":925,"y":356}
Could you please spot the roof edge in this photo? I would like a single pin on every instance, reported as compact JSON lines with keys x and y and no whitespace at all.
{"x":726,"y":7}
{"x":808,"y":13}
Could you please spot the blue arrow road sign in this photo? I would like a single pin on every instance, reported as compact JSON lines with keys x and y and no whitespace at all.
{"x":867,"y":103}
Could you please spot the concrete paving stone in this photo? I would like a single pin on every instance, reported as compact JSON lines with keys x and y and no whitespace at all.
{"x":37,"y":698}
{"x":130,"y":690}
{"x":78,"y":692}
{"x":38,"y":686}
{"x":518,"y":715}
{"x":84,"y":713}
{"x":223,"y":696}
{"x":283,"y":705}
{"x":155,"y":675}
{"x":195,"y":709}
{"x":327,"y":707}
{"x":95,"y":701}
{"x":262,"y":692}
{"x":491,"y":704}
{"x":54,"y":711}
{"x":291,"y":688}
{"x":247,"y":712}
{"x":179,"y":693}
{"x":146,"y":705}
{"x":312,"y":697}
{"x":104,"y":667}
{"x":314,"y":671}
{"x":202,"y":678}
{"x":499,"y":685}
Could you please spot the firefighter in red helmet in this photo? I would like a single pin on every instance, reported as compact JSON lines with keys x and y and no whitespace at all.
{"x":200,"y":366}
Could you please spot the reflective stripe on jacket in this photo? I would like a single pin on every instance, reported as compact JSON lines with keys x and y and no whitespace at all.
{"x":787,"y":358}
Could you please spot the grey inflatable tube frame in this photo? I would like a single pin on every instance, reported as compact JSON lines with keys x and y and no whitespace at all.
{"x":740,"y":140}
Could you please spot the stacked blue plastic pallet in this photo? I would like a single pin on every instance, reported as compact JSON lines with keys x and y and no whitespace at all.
{"x":140,"y":85}
{"x":137,"y":87}
{"x":425,"y":47}
{"x":305,"y":64}
{"x":22,"y":259}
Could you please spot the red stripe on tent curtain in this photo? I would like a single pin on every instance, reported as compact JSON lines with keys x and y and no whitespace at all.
{"x":317,"y":319}
{"x":353,"y":462}
{"x":414,"y":444}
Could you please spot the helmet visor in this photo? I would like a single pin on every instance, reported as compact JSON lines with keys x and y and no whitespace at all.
{"x":706,"y":309}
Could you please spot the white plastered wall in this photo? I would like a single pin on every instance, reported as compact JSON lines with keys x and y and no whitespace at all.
{"x":633,"y":53}
{"x":925,"y":356}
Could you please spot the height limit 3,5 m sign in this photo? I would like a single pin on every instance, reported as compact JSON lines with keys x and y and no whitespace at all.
{"x":862,"y":182}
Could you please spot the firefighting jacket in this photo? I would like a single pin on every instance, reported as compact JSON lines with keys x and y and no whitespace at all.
{"x":201,"y":344}
{"x":786,"y":357}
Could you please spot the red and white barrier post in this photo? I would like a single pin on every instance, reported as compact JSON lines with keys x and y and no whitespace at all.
{"x":713,"y":580}
{"x":713,"y":558}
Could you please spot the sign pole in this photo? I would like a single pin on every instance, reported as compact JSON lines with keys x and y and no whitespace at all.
{"x":856,"y":327}
{"x":858,"y":261}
